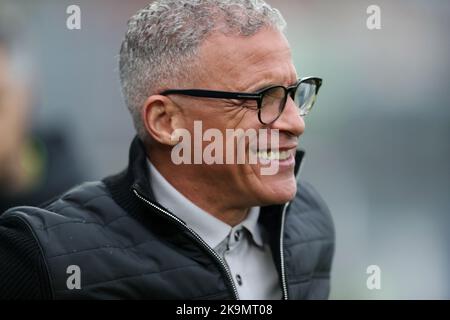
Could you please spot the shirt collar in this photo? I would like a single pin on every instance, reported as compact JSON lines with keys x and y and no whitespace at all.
{"x":252,"y":225}
{"x":212,"y":230}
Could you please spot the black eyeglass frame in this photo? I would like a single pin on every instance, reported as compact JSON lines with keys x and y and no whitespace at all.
{"x":257,"y":96}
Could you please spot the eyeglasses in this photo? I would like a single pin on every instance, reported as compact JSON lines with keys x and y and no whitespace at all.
{"x":270,"y":102}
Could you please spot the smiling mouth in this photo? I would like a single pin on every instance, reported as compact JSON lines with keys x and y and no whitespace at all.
{"x":281,"y":154}
{"x":274,"y":155}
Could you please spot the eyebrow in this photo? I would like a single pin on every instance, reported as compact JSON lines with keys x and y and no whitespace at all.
{"x":261,"y":88}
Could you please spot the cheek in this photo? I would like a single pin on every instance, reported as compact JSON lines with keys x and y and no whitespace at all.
{"x":243,"y":118}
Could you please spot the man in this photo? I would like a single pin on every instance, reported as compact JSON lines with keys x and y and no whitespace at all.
{"x":164,"y":230}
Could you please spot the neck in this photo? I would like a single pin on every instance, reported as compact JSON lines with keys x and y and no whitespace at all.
{"x":200,"y":191}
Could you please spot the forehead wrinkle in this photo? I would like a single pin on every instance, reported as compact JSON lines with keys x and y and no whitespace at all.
{"x":233,"y":67}
{"x":258,"y":60}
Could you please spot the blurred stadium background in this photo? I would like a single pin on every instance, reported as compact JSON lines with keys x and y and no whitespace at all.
{"x":377,"y":143}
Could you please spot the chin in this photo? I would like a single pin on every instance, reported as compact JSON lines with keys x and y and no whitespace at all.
{"x":278,"y":192}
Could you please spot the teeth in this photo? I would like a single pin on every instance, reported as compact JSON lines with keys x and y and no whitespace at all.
{"x":273,"y":155}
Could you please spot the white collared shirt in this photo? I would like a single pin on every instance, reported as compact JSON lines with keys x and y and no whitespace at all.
{"x":242,"y":247}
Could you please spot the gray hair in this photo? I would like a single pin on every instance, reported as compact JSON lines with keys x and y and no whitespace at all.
{"x":162,"y":42}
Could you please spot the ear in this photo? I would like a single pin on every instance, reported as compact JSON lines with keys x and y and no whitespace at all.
{"x":159,"y":114}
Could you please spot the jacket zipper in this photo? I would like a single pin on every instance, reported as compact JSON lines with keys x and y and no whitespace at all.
{"x":283,"y":267}
{"x":202,"y":242}
{"x":282,"y":263}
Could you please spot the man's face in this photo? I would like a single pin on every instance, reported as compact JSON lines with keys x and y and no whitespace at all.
{"x":246,"y":64}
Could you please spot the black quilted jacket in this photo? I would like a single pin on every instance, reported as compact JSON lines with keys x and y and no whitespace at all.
{"x":127,"y":246}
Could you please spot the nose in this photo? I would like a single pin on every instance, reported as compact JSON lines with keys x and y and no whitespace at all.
{"x":290,"y":120}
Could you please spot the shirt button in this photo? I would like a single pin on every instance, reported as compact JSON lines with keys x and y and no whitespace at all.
{"x":237,"y":235}
{"x":239,"y":279}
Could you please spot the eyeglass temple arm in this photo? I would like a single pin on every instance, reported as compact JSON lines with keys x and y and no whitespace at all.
{"x":214,"y":94}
